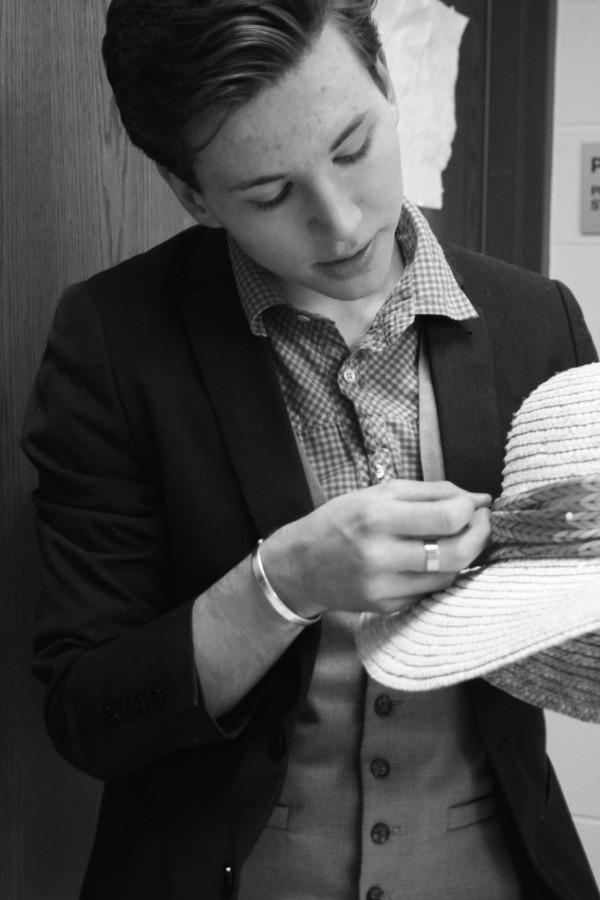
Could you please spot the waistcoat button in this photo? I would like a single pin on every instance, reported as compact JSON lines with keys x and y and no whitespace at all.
{"x":375,"y":893}
{"x":380,"y":768}
{"x":383,"y":705}
{"x":380,"y":833}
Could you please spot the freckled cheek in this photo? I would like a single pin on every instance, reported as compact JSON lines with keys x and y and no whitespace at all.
{"x":393,"y":195}
{"x":381,"y":184}
{"x":276,"y":247}
{"x":250,"y":227}
{"x":382,"y":195}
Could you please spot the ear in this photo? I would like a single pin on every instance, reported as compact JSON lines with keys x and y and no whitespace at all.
{"x":190,"y":198}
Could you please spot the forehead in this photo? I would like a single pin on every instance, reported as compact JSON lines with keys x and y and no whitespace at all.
{"x":285,"y":125}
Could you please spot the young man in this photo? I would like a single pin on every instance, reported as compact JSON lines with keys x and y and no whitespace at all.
{"x":269,"y":375}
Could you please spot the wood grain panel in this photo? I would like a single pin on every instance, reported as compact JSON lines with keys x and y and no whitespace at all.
{"x":521,"y":86}
{"x":75,"y":197}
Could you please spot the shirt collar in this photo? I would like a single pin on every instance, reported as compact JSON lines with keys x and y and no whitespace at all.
{"x":427,"y":278}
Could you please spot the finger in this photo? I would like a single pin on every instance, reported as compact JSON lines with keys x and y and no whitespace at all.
{"x":465,"y":547}
{"x":436,"y":518}
{"x":410,"y":490}
{"x":455,"y":552}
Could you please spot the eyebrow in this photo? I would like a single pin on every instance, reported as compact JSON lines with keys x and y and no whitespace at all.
{"x":267,"y":179}
{"x":350,"y":129}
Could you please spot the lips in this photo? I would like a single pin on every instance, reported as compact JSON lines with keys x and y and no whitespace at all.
{"x":351,"y":266}
{"x":348,"y":258}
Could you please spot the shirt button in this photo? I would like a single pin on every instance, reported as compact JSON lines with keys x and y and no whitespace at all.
{"x":349,"y":375}
{"x":228,"y":877}
{"x":380,"y":833}
{"x":379,"y":471}
{"x":383,"y":705}
{"x":380,"y":768}
{"x":375,"y":893}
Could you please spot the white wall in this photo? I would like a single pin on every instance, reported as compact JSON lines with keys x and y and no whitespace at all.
{"x":575,"y":258}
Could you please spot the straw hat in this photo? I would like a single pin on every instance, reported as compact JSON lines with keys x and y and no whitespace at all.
{"x":541,"y":587}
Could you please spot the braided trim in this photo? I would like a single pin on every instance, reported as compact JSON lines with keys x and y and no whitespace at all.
{"x":543,"y":551}
{"x":560,"y":519}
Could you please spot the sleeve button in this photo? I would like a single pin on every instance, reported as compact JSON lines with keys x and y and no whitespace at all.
{"x":375,"y":893}
{"x":380,"y":833}
{"x":383,"y":705}
{"x":380,"y":768}
{"x":277,"y":746}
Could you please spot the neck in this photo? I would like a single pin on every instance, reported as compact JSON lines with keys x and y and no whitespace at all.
{"x":353,"y":318}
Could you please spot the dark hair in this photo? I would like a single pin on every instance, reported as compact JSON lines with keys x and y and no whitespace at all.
{"x":174,"y":64}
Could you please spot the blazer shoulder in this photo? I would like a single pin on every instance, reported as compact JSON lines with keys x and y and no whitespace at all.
{"x":165,"y":271}
{"x":487,"y":272}
{"x":520,"y":305}
{"x":502,"y":289}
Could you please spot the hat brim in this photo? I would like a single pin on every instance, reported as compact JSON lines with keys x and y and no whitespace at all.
{"x":489,"y":618}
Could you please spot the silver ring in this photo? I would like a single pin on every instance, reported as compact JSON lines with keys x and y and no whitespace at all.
{"x":432,"y":556}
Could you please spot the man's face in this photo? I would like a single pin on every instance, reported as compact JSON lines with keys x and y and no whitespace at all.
{"x":306,"y":177}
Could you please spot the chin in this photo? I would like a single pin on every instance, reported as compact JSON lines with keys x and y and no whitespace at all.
{"x":357,"y":288}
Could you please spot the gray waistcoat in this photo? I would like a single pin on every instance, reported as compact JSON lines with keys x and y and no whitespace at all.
{"x":388,"y":794}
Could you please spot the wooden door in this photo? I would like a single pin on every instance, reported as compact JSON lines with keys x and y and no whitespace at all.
{"x":74,"y":198}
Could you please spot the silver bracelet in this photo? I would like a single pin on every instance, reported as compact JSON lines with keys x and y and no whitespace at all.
{"x":271,"y":596}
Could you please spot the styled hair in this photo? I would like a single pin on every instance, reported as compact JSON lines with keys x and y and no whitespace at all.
{"x":175,"y":65}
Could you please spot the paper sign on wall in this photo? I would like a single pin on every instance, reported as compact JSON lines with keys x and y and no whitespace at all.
{"x":590,"y":189}
{"x":421,"y":39}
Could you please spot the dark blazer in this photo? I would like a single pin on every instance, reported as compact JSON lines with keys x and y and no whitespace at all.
{"x":164,"y":451}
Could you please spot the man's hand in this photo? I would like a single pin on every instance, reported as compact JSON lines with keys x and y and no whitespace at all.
{"x":365,"y":550}
{"x":360,"y":551}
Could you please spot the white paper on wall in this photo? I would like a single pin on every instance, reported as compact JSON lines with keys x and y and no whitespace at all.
{"x":421,"y":39}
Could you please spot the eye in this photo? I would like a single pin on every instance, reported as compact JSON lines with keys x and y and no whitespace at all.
{"x":271,"y":204}
{"x":350,"y":158}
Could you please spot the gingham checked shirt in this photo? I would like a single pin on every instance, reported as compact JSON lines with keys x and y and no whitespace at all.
{"x":355,"y":412}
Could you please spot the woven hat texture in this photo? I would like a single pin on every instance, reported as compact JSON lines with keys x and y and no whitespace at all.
{"x":542,"y":586}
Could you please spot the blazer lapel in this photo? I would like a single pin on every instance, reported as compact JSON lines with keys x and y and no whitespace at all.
{"x":241,"y":381}
{"x":460,"y":359}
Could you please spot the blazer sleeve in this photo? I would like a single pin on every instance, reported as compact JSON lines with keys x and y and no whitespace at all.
{"x":583,"y":345}
{"x":112,"y":647}
{"x":564,"y":678}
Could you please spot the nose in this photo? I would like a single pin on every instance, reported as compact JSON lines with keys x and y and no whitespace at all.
{"x":334,"y":211}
